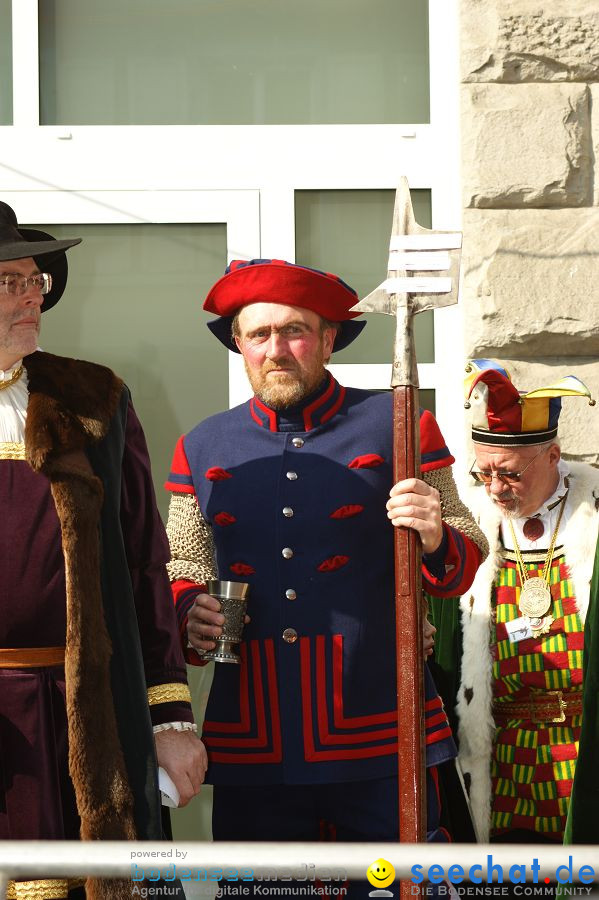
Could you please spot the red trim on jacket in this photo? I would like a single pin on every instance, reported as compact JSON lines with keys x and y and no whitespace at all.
{"x":307,"y":412}
{"x":322,"y":708}
{"x":335,"y":407}
{"x":339,"y":718}
{"x":180,"y":589}
{"x":179,"y":478}
{"x":274,"y":755}
{"x":311,"y":754}
{"x":268,"y":412}
{"x":453,"y":561}
{"x":433,"y":449}
{"x":366,"y":461}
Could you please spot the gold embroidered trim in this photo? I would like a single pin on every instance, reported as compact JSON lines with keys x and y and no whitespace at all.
{"x":44,"y":889}
{"x":168,"y":693}
{"x":12,"y":450}
{"x":532,"y":556}
{"x":6,"y":383}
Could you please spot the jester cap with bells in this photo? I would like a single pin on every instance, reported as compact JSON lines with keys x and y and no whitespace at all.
{"x":503,"y":416}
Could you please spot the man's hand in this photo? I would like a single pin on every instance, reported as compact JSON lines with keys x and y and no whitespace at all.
{"x":205,"y":622}
{"x":429,"y":637}
{"x":414,"y":504}
{"x":184,"y":757}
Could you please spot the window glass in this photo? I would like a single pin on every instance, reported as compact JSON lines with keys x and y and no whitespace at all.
{"x":147,"y":62}
{"x":134,"y":302}
{"x":347,"y":232}
{"x":5,"y":62}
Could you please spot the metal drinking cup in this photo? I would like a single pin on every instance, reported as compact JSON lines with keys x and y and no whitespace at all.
{"x":233,"y":603}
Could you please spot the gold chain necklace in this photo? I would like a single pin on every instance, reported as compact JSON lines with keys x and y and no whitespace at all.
{"x":535,"y":594}
{"x":14,"y":377}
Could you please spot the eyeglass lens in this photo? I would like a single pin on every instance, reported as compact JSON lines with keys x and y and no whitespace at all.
{"x":17,"y":285}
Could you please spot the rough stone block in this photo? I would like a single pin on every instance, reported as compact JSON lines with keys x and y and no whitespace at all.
{"x":526,"y":145}
{"x":530,"y":283}
{"x":525,"y":40}
{"x":594,"y":90}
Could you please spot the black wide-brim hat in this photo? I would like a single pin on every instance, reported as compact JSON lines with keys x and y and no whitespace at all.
{"x":48,"y":253}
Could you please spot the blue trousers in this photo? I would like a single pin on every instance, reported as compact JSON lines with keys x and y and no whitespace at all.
{"x":348,"y":811}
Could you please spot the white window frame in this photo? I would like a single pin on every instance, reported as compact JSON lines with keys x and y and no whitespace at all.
{"x":237,"y":210}
{"x":93,"y":168}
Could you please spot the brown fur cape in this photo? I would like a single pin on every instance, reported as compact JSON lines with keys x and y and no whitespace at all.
{"x":71,"y":404}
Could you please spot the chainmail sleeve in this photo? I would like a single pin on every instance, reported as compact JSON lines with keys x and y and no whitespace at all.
{"x":453,"y":511}
{"x":191,"y":541}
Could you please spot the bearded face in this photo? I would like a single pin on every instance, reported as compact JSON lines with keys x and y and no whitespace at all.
{"x":284,"y":349}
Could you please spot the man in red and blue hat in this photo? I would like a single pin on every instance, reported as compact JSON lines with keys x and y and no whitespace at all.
{"x":293,"y":493}
{"x":93,"y":688}
{"x":520,"y":702}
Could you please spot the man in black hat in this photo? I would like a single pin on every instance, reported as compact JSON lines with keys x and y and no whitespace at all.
{"x":93,"y":688}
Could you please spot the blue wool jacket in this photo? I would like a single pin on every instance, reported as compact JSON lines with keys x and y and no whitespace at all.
{"x":297,"y":508}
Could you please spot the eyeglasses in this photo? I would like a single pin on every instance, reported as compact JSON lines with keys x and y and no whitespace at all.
{"x":17,"y":285}
{"x":504,"y":477}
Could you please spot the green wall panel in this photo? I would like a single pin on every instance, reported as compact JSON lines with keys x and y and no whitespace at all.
{"x":147,"y":62}
{"x":134,"y":302}
{"x":5,"y":62}
{"x":347,"y":232}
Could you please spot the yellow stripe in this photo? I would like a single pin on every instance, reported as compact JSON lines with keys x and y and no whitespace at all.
{"x":535,"y":414}
{"x":168,"y":693}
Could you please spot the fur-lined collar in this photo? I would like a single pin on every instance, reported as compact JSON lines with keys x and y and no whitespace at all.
{"x":71,"y":403}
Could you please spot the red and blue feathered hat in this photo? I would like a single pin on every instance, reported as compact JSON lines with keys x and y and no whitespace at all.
{"x":506,"y":417}
{"x":277,"y":281}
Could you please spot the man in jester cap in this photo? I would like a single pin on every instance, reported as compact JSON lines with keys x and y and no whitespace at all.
{"x":520,"y":701}
{"x":291,"y":493}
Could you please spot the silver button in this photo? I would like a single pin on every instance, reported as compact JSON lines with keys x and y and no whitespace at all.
{"x":287,"y":511}
{"x":292,"y":476}
{"x":297,"y":442}
{"x":290,"y":635}
{"x":290,"y":594}
{"x":287,"y":552}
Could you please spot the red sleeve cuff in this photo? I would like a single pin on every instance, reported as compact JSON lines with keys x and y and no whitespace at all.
{"x":179,"y":478}
{"x":184,"y":594}
{"x":462,"y":559}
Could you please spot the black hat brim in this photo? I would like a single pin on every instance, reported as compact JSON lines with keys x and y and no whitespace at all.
{"x":348,"y":331}
{"x":49,"y":255}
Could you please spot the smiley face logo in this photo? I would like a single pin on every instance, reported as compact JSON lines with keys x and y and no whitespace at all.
{"x":380,"y":873}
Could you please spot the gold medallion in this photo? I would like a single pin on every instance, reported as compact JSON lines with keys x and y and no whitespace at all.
{"x":535,"y":598}
{"x":542,"y":627}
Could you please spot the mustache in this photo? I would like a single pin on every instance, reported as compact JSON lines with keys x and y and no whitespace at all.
{"x":274,"y":367}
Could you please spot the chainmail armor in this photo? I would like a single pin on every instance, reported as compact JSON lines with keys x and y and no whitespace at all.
{"x":191,"y":541}
{"x":453,"y":511}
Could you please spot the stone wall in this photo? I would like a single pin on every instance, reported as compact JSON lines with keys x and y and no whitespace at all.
{"x":530,"y":141}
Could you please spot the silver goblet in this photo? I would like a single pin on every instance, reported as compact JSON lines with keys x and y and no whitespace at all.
{"x":233,"y":603}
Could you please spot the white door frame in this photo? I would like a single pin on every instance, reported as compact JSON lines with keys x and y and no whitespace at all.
{"x":96,"y":170}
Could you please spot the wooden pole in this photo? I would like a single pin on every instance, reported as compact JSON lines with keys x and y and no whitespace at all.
{"x":403,"y":295}
{"x":408,"y":633}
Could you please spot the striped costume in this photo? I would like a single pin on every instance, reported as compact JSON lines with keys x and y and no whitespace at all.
{"x":520,"y":768}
